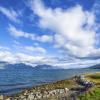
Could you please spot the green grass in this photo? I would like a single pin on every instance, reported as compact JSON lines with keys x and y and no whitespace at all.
{"x":93,"y":93}
{"x":95,"y":78}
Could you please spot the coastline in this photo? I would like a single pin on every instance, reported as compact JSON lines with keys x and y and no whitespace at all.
{"x":60,"y":90}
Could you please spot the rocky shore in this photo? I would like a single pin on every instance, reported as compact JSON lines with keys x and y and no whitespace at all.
{"x":61,"y":90}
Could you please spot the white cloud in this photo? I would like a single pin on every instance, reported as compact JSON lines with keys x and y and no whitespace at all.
{"x":7,"y":56}
{"x":19,"y":33}
{"x":55,"y":61}
{"x":19,"y":57}
{"x":70,"y":36}
{"x":74,"y":28}
{"x":28,"y":58}
{"x":34,"y":60}
{"x":35,"y":49}
{"x":45,"y":38}
{"x":10,"y":13}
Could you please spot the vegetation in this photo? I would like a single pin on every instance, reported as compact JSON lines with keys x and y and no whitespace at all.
{"x":70,"y":83}
{"x":93,"y":93}
{"x":56,"y":85}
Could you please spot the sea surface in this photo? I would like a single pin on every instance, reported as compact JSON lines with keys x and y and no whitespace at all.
{"x":16,"y":80}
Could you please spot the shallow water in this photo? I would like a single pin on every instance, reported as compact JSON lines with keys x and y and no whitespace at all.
{"x":13,"y":81}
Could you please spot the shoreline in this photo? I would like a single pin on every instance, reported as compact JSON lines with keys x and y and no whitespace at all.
{"x":69,"y":88}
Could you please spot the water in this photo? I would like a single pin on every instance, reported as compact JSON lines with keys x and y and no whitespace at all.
{"x":13,"y":81}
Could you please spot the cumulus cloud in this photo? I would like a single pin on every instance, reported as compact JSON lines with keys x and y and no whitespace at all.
{"x":74,"y":28}
{"x":45,"y":38}
{"x":18,"y":57}
{"x":32,"y":60}
{"x":35,"y":49}
{"x":10,"y":14}
{"x":74,"y":34}
{"x":19,"y":33}
{"x":7,"y":56}
{"x":28,"y":58}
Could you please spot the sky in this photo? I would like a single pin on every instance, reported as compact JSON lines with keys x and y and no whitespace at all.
{"x":63,"y":33}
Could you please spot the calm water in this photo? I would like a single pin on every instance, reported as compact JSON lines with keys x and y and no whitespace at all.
{"x":13,"y":81}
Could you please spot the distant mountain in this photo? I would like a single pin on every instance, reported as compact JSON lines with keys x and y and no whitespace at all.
{"x":21,"y":66}
{"x":18,"y":66}
{"x":97,"y":66}
{"x":44,"y":66}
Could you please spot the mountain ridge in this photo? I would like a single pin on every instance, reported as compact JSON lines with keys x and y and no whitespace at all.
{"x":97,"y":66}
{"x":7,"y":65}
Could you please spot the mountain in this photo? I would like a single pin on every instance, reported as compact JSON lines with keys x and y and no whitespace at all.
{"x":17,"y":66}
{"x":22,"y":66}
{"x":44,"y":66}
{"x":97,"y":66}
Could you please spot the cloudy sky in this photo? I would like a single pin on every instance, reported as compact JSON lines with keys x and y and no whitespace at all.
{"x":64,"y":33}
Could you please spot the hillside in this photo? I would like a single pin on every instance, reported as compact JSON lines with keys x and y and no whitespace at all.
{"x":97,"y":66}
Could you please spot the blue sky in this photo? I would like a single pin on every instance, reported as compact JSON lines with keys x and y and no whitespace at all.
{"x":63,"y":33}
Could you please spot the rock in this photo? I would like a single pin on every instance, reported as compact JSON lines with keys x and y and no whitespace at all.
{"x":66,"y":90}
{"x":25,"y":93}
{"x":39,"y":95}
{"x":62,"y":91}
{"x":31,"y":96}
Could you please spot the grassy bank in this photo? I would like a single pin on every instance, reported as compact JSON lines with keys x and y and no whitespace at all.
{"x":94,"y":92}
{"x":57,"y":85}
{"x":46,"y":89}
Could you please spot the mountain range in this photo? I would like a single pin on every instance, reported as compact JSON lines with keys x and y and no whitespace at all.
{"x":20,"y":66}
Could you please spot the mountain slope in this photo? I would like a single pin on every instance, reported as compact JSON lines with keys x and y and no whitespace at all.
{"x":97,"y":66}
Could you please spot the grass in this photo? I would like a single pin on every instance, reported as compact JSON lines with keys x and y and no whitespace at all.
{"x":95,"y":78}
{"x":56,"y":85}
{"x":93,"y":93}
{"x":51,"y":86}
